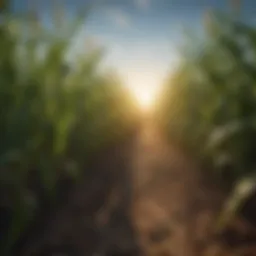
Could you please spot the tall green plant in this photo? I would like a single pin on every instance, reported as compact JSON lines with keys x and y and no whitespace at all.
{"x":51,"y":112}
{"x":210,"y":105}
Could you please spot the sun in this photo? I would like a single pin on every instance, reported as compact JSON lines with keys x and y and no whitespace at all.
{"x":145,"y":91}
{"x":145,"y":97}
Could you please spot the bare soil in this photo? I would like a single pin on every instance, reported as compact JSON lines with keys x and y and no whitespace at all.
{"x":145,"y":198}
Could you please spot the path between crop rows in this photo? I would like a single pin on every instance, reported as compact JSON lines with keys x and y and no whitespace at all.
{"x":171,"y":206}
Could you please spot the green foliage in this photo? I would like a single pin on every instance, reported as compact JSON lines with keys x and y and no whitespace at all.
{"x":53,"y":115}
{"x":242,"y":191}
{"x":209,"y":106}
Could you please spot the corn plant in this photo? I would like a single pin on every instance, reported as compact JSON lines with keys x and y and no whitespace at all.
{"x":210,"y":105}
{"x":51,"y":112}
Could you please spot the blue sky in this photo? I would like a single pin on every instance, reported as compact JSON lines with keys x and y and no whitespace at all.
{"x":141,"y":36}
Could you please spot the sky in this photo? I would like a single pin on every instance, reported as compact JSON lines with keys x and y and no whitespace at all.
{"x":140,"y":36}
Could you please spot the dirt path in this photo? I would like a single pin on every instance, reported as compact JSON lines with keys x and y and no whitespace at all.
{"x":173,"y":207}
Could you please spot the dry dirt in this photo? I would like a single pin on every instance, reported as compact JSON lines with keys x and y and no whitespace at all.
{"x":173,"y":207}
{"x":158,"y":204}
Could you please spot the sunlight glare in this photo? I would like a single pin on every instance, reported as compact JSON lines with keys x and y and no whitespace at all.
{"x":145,"y":96}
{"x":145,"y":91}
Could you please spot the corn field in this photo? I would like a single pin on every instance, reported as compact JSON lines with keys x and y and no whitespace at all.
{"x":209,"y":105}
{"x":54,"y":115}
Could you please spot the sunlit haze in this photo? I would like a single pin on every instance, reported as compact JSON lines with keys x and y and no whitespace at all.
{"x":140,"y":36}
{"x":128,"y":131}
{"x":145,"y":90}
{"x":145,"y":96}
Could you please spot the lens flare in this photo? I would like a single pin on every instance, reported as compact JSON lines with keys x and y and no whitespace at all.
{"x":145,"y":92}
{"x":145,"y":97}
